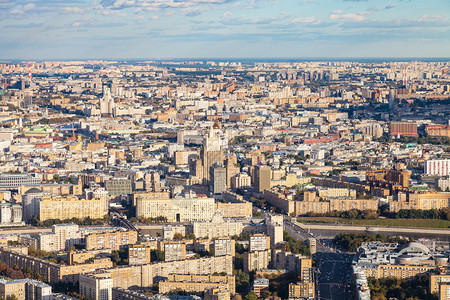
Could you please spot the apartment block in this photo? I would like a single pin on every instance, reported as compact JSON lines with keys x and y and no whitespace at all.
{"x":259,"y":242}
{"x":256,"y":260}
{"x":301,"y":290}
{"x":96,"y":286}
{"x":139,"y":255}
{"x":197,"y":283}
{"x":110,"y":240}
{"x":176,"y":209}
{"x":217,"y":227}
{"x":222,"y":246}
{"x":174,"y":251}
{"x":293,"y":262}
{"x":146,"y":275}
{"x":54,"y":272}
{"x":217,"y":294}
{"x":234,"y":210}
{"x":68,"y":207}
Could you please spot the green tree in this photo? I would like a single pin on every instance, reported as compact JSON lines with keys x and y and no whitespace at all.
{"x":251,"y":296}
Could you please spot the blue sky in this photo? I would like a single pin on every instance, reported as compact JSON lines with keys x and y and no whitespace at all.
{"x":60,"y":29}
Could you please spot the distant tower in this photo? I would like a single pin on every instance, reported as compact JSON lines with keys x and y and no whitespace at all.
{"x":210,"y":153}
{"x":107,"y":104}
{"x":405,"y":76}
{"x":29,"y":72}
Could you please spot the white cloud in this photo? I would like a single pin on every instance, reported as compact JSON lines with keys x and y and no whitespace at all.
{"x":426,"y":17}
{"x":22,"y":9}
{"x":74,"y":10}
{"x":347,"y":17}
{"x":304,"y":20}
{"x":227,"y":14}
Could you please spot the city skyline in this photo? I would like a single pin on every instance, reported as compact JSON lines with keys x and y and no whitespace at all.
{"x":222,"y":28}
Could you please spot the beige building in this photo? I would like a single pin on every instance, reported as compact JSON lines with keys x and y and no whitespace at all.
{"x":259,"y":242}
{"x":241,"y":181}
{"x":25,"y":289}
{"x":312,"y":203}
{"x":293,"y":262}
{"x":444,"y":291}
{"x":224,"y":246}
{"x":170,"y":231}
{"x":146,"y":275}
{"x":437,"y":281}
{"x":420,"y":201}
{"x":176,"y":209}
{"x":68,"y":207}
{"x":275,"y":228}
{"x":174,"y":251}
{"x":139,"y":255}
{"x":110,"y":240}
{"x":234,"y":210}
{"x":14,"y":287}
{"x":262,"y":179}
{"x":96,"y":286}
{"x":62,"y":237}
{"x":217,"y":228}
{"x":256,"y":260}
{"x":54,"y":272}
{"x":401,"y":271}
{"x":82,"y":257}
{"x":217,"y":294}
{"x":150,"y":195}
{"x":301,"y":291}
{"x":197,"y":283}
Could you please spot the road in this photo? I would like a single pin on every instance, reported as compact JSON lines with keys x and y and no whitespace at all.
{"x":299,"y":233}
{"x":333,"y":276}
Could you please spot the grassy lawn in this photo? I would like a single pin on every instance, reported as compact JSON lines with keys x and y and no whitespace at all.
{"x":379,"y":222}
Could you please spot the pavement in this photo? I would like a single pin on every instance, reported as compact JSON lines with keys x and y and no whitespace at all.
{"x":334,"y":276}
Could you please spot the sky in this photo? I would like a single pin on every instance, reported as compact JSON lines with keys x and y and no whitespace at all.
{"x":164,"y":29}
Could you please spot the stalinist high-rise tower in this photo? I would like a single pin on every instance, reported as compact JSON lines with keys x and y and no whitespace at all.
{"x":210,"y":153}
{"x":107,"y":104}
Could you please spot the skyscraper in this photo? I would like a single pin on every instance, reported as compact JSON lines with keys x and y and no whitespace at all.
{"x":262,"y":178}
{"x":218,"y":179}
{"x":210,"y":153}
{"x":107,"y":105}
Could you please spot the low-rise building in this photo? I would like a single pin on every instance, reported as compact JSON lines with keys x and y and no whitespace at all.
{"x":260,"y":285}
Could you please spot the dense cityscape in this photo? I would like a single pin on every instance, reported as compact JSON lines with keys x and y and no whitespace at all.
{"x":225,"y":179}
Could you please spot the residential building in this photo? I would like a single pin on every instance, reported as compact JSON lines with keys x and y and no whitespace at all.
{"x":96,"y":286}
{"x":301,"y":290}
{"x":262,"y":178}
{"x":217,"y":227}
{"x":259,"y":242}
{"x":139,"y":255}
{"x":174,"y":251}
{"x":110,"y":240}
{"x":197,"y":283}
{"x":256,"y":260}
{"x":176,"y":209}
{"x":260,"y":285}
{"x":68,"y":207}
{"x":223,"y":246}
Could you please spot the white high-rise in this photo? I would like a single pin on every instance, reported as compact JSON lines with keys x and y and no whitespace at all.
{"x":107,"y":104}
{"x":439,"y":167}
